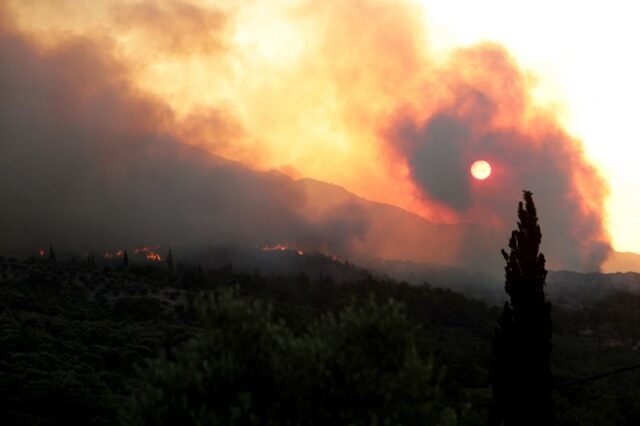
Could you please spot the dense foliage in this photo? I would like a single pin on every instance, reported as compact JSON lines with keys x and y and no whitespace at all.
{"x":77,"y":342}
{"x":359,"y":367}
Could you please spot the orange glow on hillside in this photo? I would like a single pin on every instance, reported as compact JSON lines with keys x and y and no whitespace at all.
{"x":340,"y":91}
{"x":111,"y":255}
{"x":283,"y":247}
{"x":153,"y":256}
{"x":149,"y":252}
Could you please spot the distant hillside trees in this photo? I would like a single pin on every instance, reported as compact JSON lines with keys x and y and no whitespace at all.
{"x":521,"y":375}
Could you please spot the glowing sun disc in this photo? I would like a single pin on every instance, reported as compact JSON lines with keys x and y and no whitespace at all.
{"x":481,"y":170}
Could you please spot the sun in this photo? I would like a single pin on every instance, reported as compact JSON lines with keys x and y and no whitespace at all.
{"x":481,"y":170}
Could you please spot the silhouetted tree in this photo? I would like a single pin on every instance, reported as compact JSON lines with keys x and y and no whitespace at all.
{"x":125,"y":259}
{"x":52,"y":254}
{"x":521,"y":376}
{"x":169,"y":261}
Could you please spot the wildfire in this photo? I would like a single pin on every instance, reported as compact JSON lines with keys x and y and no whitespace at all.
{"x":150,"y":253}
{"x":41,"y":252}
{"x":109,"y":255}
{"x":371,"y":113}
{"x":283,"y":247}
{"x":154,"y":256}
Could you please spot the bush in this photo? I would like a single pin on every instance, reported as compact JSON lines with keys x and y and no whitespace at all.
{"x":358,"y":367}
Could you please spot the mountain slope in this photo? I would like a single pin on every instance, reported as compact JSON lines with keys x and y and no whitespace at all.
{"x":396,"y":234}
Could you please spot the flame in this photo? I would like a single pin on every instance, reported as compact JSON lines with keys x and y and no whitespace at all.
{"x":277,"y":247}
{"x":110,"y":255}
{"x":283,"y":247}
{"x":154,"y":256}
{"x":150,"y":253}
{"x":41,"y":252}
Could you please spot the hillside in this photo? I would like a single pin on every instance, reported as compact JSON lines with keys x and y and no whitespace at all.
{"x":393,"y":233}
{"x":73,"y":334}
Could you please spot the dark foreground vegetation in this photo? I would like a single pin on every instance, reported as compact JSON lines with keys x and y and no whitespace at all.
{"x":84,"y":344}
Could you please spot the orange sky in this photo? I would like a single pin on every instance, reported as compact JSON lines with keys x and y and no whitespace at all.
{"x":311,"y":88}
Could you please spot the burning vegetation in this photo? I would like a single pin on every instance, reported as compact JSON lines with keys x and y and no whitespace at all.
{"x":379,"y":113}
{"x":148,"y":253}
{"x":283,"y":247}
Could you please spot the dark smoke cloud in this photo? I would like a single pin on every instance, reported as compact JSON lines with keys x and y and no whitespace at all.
{"x":89,"y":163}
{"x":439,"y":160}
{"x":484,"y":122}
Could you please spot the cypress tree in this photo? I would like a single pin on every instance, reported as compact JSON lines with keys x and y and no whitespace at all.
{"x":521,"y":374}
{"x":52,"y":254}
{"x":125,"y":259}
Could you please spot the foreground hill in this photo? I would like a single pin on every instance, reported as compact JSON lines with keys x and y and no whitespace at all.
{"x":73,"y":334}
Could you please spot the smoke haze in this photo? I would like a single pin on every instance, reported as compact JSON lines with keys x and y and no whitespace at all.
{"x":143,"y":122}
{"x":89,"y":163}
{"x":490,"y":122}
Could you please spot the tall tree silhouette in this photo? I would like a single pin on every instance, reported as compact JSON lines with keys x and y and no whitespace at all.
{"x":125,"y":259}
{"x":520,"y":371}
{"x":52,"y":254}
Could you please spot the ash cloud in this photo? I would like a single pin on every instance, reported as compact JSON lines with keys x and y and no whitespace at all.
{"x":86,"y":157}
{"x":438,"y":160}
{"x":486,"y":122}
{"x":88,"y":162}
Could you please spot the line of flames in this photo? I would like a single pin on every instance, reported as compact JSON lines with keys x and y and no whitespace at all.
{"x":290,"y":247}
{"x":283,"y":247}
{"x":149,"y":252}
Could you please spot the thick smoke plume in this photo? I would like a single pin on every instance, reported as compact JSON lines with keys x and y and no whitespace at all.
{"x":486,"y":115}
{"x":89,"y":163}
{"x":117,"y":117}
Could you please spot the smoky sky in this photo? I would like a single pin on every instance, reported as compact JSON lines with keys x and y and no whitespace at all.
{"x":439,"y":160}
{"x":440,"y":149}
{"x":90,"y":163}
